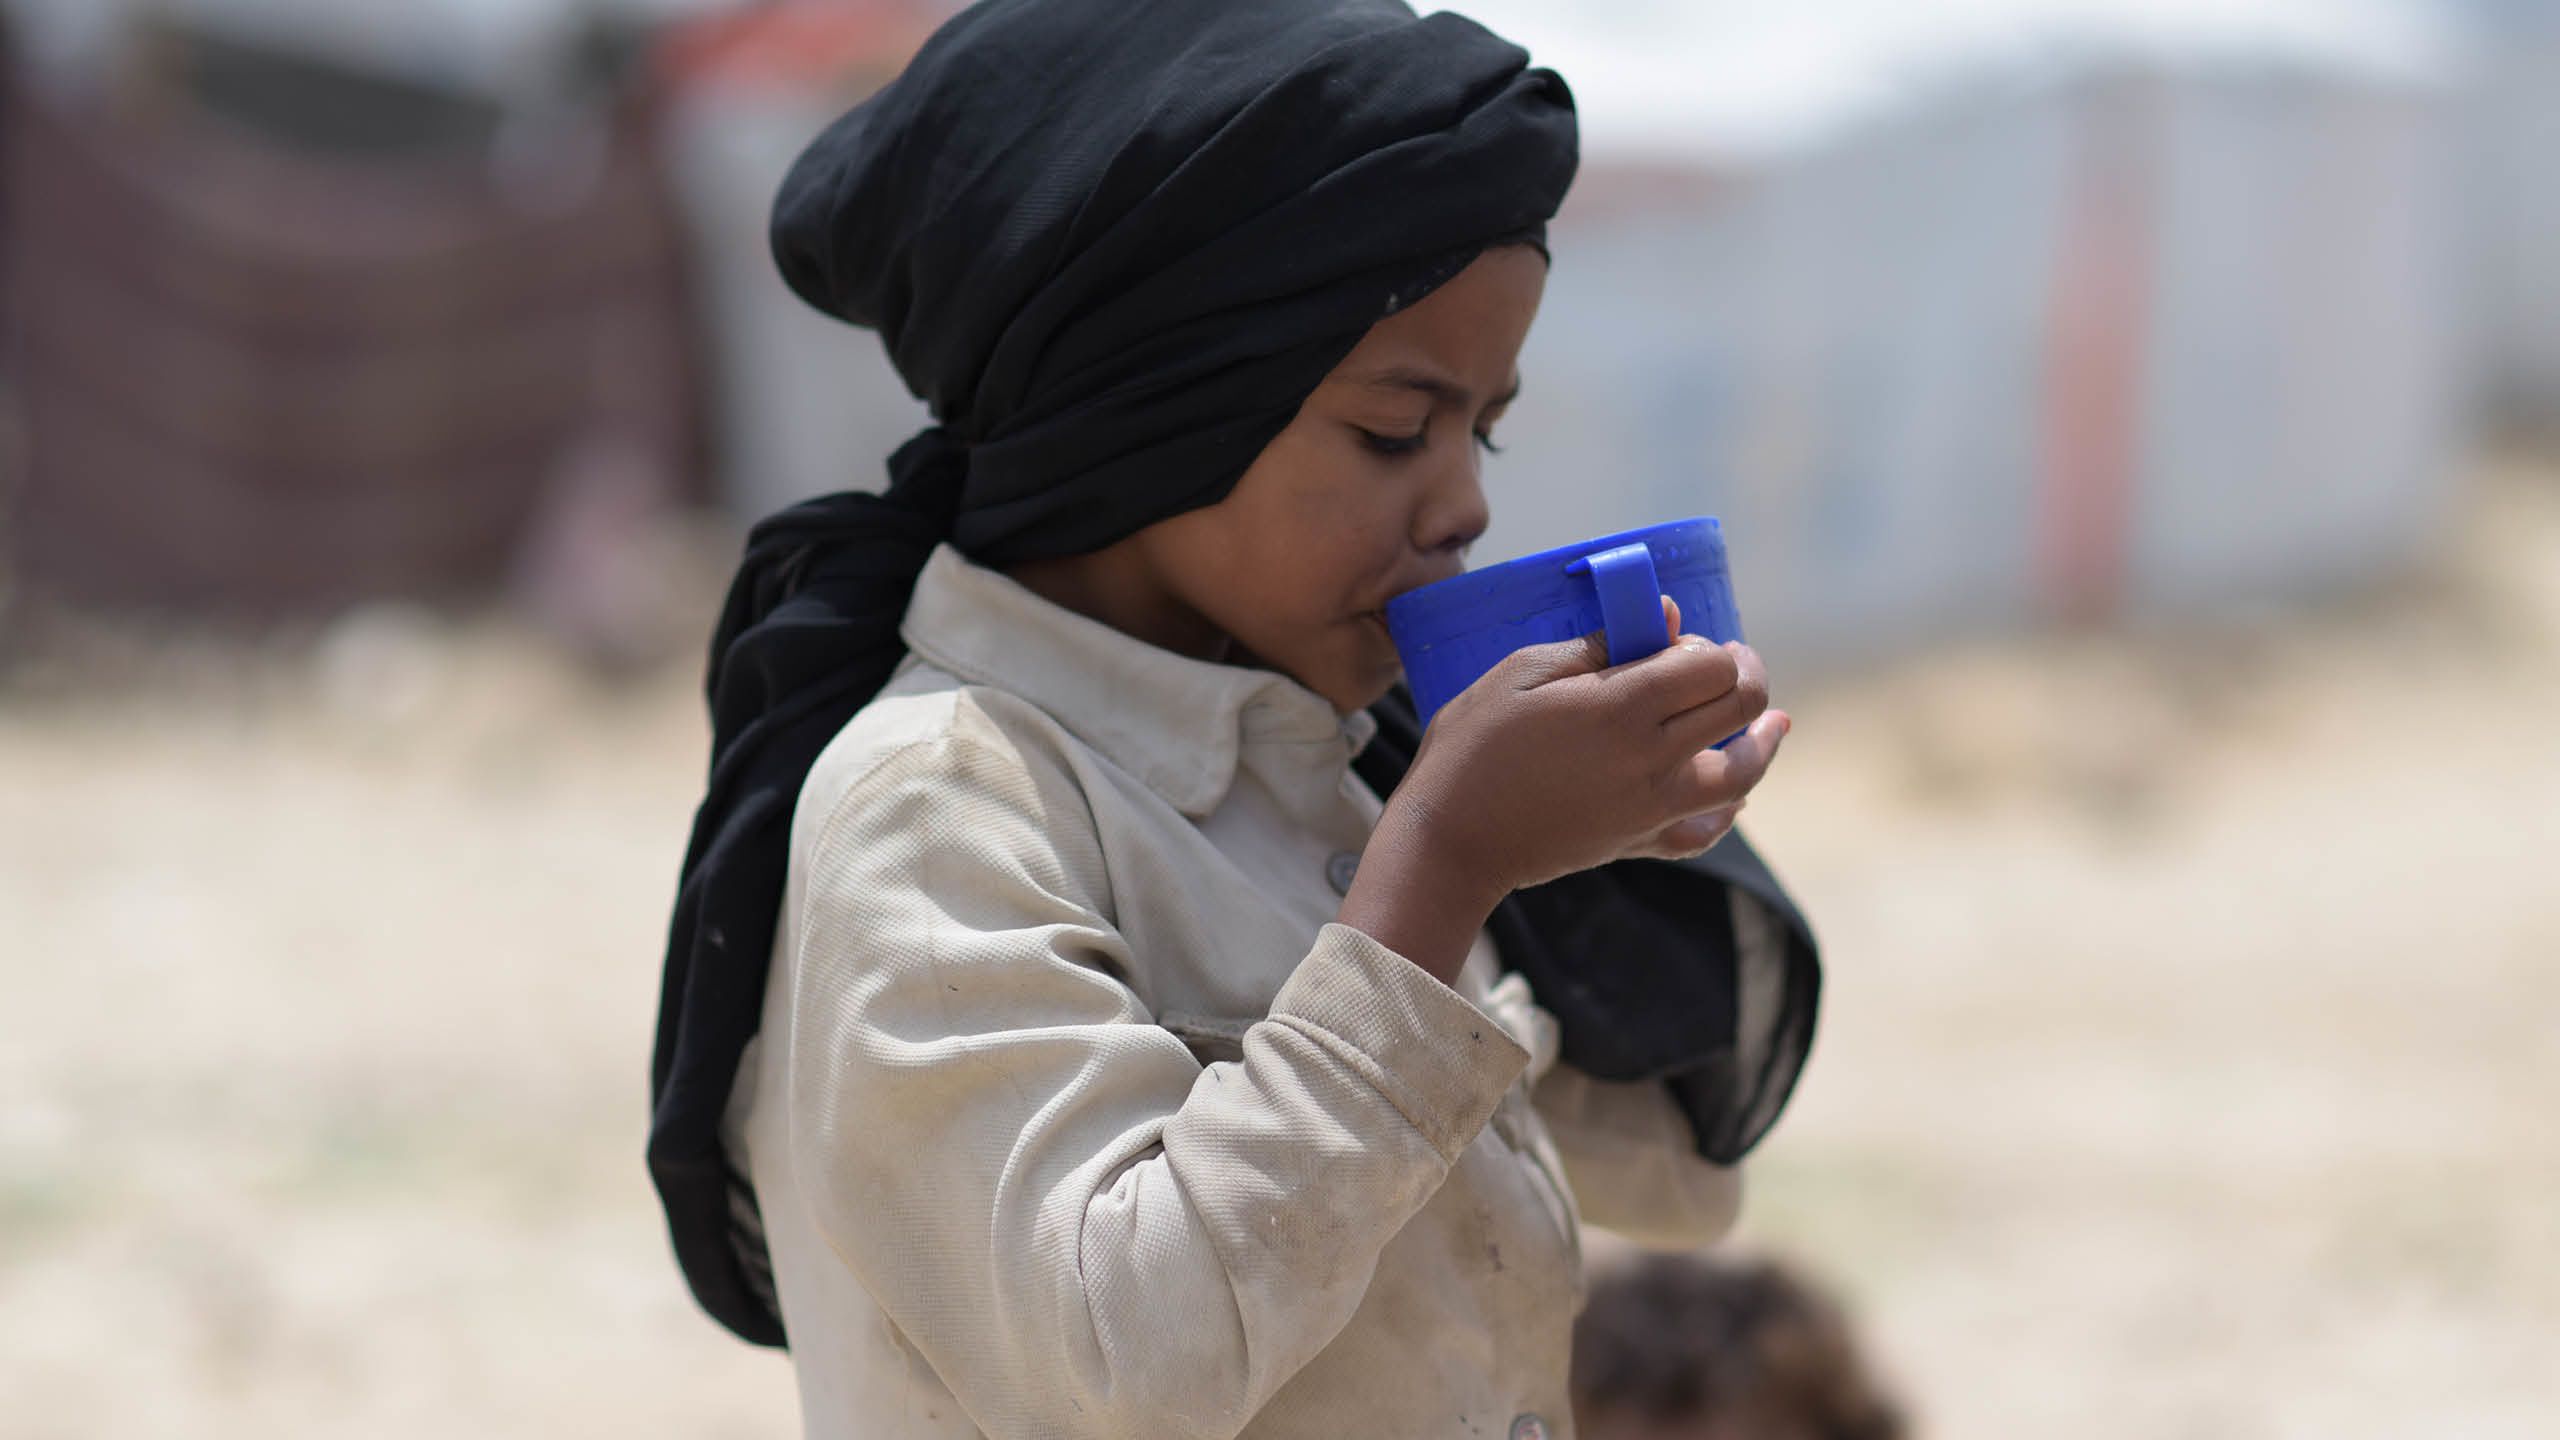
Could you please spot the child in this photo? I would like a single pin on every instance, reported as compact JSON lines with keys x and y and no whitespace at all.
{"x":1126,"y":1066}
{"x":1685,"y":1347}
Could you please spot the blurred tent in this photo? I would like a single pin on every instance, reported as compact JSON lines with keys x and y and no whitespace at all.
{"x":310,"y":307}
{"x":313,"y":301}
{"x":2015,"y":332}
{"x":492,"y":48}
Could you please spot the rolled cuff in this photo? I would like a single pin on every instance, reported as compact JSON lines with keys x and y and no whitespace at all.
{"x":1443,"y":1063}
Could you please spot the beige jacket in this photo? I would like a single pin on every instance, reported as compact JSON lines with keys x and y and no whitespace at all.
{"x":1074,"y":1115}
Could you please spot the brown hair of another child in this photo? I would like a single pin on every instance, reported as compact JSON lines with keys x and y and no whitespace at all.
{"x":1685,"y":1347}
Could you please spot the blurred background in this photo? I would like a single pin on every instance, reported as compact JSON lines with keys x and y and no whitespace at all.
{"x":2137,"y":423}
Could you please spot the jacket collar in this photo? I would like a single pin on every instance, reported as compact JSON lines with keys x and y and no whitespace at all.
{"x":1179,"y":725}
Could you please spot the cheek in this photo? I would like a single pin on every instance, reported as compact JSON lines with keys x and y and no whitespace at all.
{"x":1323,"y":531}
{"x":1241,"y":568}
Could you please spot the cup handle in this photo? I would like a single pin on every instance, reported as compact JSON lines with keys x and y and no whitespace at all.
{"x":1630,"y":600}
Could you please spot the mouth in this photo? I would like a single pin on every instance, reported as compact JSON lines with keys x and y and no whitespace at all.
{"x":1428,"y":577}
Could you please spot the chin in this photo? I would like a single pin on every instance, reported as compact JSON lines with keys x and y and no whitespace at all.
{"x":1353,"y":676}
{"x":1348,"y":688}
{"x":1368,"y":693}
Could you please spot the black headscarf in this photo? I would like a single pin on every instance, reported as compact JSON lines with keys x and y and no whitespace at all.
{"x":1114,"y":244}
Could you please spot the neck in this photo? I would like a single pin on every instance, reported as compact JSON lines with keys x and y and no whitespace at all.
{"x":1108,"y":586}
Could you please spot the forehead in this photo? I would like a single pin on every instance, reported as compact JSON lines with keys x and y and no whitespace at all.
{"x":1468,"y":331}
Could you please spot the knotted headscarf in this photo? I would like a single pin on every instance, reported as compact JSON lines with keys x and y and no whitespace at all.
{"x":1113,"y":245}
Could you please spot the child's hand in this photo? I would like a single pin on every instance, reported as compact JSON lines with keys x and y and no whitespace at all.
{"x":1555,"y":762}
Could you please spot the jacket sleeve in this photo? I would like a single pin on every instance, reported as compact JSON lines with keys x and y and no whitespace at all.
{"x":1085,"y":1231}
{"x":1630,"y":1151}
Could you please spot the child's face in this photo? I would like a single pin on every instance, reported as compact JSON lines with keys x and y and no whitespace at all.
{"x":1374,"y":489}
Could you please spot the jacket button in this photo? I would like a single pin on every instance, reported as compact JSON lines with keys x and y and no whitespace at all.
{"x":1339,"y":870}
{"x":1528,"y":1427}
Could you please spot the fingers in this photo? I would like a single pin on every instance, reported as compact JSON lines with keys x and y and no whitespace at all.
{"x":1696,"y":728}
{"x":1695,"y":834}
{"x":1715,"y":778}
{"x":1691,"y":673}
{"x":1534,"y":665}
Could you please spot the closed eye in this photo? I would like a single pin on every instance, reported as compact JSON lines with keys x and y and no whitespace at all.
{"x":1393,"y":444}
{"x":1412,"y":444}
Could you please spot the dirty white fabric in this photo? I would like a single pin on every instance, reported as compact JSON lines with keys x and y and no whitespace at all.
{"x":1074,"y":1115}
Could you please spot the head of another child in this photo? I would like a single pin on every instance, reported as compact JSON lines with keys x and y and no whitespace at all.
{"x":1373,"y":489}
{"x":1684,"y":1347}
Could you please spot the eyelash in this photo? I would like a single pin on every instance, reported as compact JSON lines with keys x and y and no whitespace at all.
{"x":1398,"y":446}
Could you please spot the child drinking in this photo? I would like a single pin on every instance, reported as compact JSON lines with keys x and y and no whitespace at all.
{"x":1089,"y":1012}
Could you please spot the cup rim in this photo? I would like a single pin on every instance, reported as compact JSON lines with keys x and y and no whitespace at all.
{"x":1539,"y":581}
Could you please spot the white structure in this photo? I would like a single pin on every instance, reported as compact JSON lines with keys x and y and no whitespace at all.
{"x":2148,"y":334}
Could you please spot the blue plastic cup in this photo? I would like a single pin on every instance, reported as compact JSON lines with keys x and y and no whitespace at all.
{"x":1451,"y":633}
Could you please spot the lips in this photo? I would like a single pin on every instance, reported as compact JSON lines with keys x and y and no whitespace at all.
{"x":1438,"y":573}
{"x":1449,"y":569}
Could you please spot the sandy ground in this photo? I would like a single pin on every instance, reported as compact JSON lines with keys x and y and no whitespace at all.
{"x":2188,"y":1070}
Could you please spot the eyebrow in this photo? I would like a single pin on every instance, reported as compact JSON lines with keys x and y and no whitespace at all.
{"x":1439,"y":388}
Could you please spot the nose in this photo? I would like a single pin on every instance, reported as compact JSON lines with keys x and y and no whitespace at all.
{"x":1453,"y":512}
